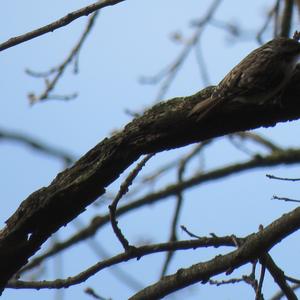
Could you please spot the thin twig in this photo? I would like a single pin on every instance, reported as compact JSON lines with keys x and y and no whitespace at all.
{"x":223,"y":282}
{"x":258,"y":293}
{"x":255,"y":138}
{"x":123,"y":190}
{"x":91,"y":292}
{"x":282,"y":178}
{"x":50,"y":84}
{"x":288,"y":156}
{"x":279,"y":295}
{"x":234,"y":30}
{"x":248,"y":279}
{"x":37,"y":145}
{"x":260,"y":140}
{"x":189,"y":232}
{"x":279,"y":278}
{"x":173,"y":236}
{"x":291,"y":279}
{"x":297,"y":2}
{"x":253,"y":247}
{"x":240,"y":146}
{"x":168,"y":166}
{"x":122,"y":257}
{"x":276,"y":18}
{"x":124,"y":277}
{"x":202,"y":67}
{"x":70,"y":17}
{"x":285,"y":199}
{"x":286,"y":18}
{"x":170,"y":72}
{"x":268,"y":19}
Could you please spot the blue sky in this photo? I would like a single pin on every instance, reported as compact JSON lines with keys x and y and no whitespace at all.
{"x":131,"y":40}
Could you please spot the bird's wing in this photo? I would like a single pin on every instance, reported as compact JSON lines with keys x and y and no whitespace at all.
{"x":204,"y":108}
{"x":252,"y":76}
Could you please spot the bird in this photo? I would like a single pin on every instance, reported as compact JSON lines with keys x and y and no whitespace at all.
{"x":257,"y":79}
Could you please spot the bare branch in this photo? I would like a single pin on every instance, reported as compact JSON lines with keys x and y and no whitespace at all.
{"x":123,"y":190}
{"x":163,"y":127}
{"x":123,"y":257}
{"x":179,"y":201}
{"x":123,"y":276}
{"x":291,"y":279}
{"x":282,"y":178}
{"x":189,"y":233}
{"x":285,"y":199}
{"x":273,"y":12}
{"x":297,"y":3}
{"x":51,"y":83}
{"x":279,"y":278}
{"x":289,"y":156}
{"x":254,"y":246}
{"x":37,"y":145}
{"x":91,"y":292}
{"x":260,"y":140}
{"x":169,"y":73}
{"x":258,"y":294}
{"x":279,"y":295}
{"x":227,"y":281}
{"x":70,"y":17}
{"x":287,"y":16}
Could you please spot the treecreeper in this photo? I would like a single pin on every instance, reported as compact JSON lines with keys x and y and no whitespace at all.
{"x":259,"y":78}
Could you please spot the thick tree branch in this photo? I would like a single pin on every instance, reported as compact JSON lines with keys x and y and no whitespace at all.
{"x":254,"y":246}
{"x":165,"y":126}
{"x":287,"y":156}
{"x":70,"y":17}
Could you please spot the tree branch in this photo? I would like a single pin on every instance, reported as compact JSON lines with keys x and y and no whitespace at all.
{"x":287,"y":156}
{"x":165,"y":126}
{"x":287,"y":16}
{"x":70,"y":17}
{"x":37,"y":145}
{"x":254,"y":246}
{"x":51,"y":83}
{"x":123,"y":257}
{"x":278,"y":276}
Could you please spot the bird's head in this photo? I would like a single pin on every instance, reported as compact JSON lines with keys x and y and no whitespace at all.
{"x":284,"y":47}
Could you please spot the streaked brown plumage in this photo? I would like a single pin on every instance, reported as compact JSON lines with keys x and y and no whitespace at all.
{"x":256,"y":79}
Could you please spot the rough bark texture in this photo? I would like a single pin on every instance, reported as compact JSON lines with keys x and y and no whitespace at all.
{"x":254,"y":246}
{"x":163,"y":127}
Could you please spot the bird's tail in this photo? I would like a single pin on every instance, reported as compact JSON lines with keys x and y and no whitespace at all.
{"x":204,"y":108}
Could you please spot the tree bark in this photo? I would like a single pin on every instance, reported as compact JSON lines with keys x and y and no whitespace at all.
{"x":165,"y":126}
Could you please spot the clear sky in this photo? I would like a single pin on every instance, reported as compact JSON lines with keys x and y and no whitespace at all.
{"x":130,"y":40}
